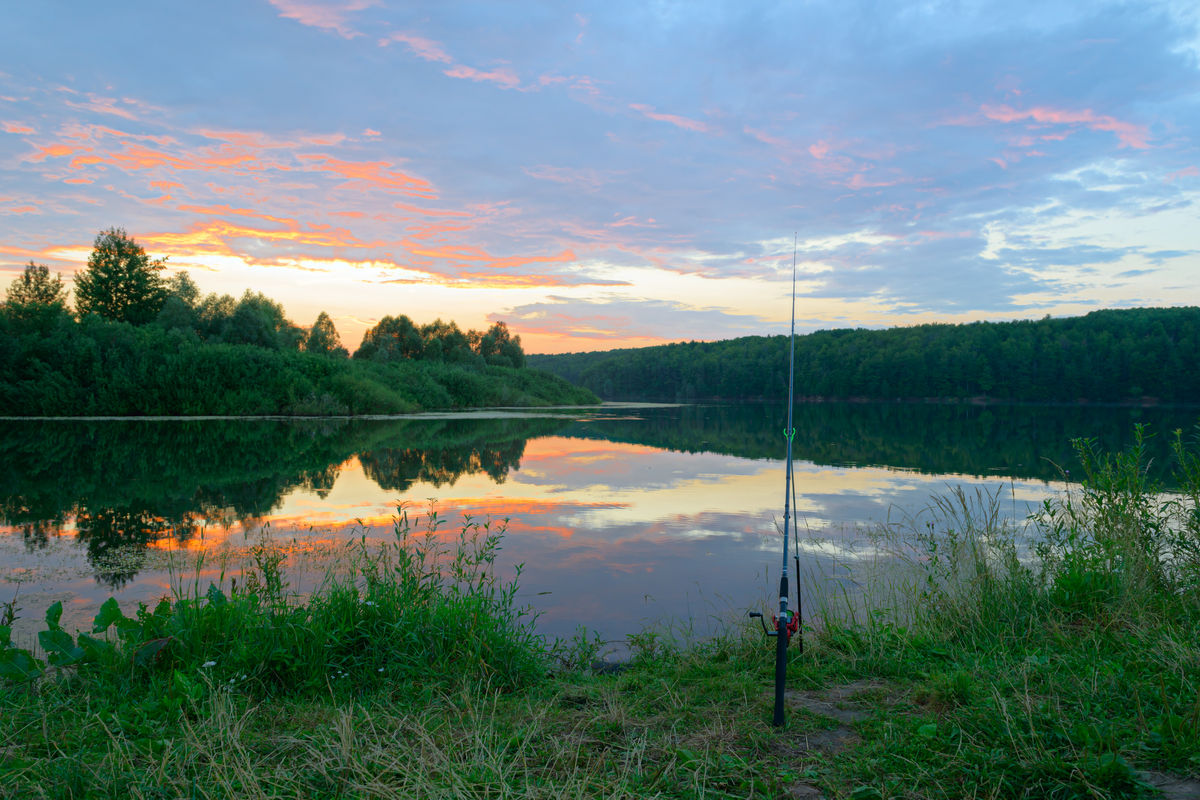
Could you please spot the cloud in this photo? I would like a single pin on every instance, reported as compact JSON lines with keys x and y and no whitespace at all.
{"x":419,"y":46}
{"x":680,"y":122}
{"x":599,"y":323}
{"x":17,"y":127}
{"x":374,"y":174}
{"x":583,"y":178}
{"x":1042,"y":117}
{"x":503,"y":77}
{"x":329,"y":15}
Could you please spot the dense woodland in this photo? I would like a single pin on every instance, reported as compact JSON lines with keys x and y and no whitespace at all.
{"x":1118,"y":356}
{"x":139,"y":343}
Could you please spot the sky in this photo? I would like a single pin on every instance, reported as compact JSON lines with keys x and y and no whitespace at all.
{"x":617,"y":174}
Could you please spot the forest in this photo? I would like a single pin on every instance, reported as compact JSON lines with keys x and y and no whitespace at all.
{"x":139,"y":343}
{"x":1131,"y":356}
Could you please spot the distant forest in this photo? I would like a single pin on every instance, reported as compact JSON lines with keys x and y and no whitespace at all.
{"x":1114,"y":356}
{"x":139,"y":343}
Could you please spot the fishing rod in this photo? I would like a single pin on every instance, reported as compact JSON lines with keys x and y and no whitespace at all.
{"x":787,"y":623}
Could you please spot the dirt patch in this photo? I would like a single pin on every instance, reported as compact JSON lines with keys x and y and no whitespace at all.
{"x":844,"y":705}
{"x":1173,"y":788}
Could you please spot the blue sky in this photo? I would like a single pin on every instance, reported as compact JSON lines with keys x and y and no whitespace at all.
{"x":616,"y":174}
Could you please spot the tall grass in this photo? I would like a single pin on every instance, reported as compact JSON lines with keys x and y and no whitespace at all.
{"x":414,"y":613}
{"x":1052,"y":658}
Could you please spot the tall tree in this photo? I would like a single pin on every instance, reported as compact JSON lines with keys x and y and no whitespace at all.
{"x":259,"y":320}
{"x":392,"y":339}
{"x":323,"y":338}
{"x":498,"y":346}
{"x":120,"y":282}
{"x":35,"y":295}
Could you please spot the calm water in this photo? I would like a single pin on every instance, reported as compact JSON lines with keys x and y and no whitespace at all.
{"x":622,"y":517}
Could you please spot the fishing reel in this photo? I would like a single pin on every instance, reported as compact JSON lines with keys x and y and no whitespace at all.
{"x":792,"y":625}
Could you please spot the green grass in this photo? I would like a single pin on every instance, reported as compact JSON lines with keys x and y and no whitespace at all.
{"x":1055,"y":661}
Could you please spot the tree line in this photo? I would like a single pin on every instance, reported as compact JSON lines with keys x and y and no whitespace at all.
{"x":139,"y":341}
{"x":123,"y":284}
{"x":1111,"y":356}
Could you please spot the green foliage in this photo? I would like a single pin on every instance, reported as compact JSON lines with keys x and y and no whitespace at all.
{"x":98,"y":367}
{"x":323,"y":338}
{"x":399,"y":339}
{"x":1117,"y":356}
{"x":35,"y":298}
{"x":120,"y":282}
{"x":391,"y":339}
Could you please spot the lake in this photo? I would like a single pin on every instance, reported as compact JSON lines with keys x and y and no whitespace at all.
{"x":622,"y":516}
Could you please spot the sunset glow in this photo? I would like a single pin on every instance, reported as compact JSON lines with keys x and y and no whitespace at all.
{"x":621,"y":175}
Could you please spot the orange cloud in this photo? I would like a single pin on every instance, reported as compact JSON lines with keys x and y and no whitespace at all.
{"x":214,"y":235}
{"x":240,"y":212}
{"x":16,"y":127}
{"x":54,"y":151}
{"x":78,"y":180}
{"x":676,"y":120}
{"x":373,"y":173}
{"x":430,"y":212}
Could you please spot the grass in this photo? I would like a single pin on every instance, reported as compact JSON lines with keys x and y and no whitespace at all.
{"x":1056,"y":661}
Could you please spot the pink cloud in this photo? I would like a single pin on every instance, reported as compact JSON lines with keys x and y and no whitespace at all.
{"x":1129,"y":134}
{"x":16,"y":127}
{"x":503,"y":77}
{"x":1187,"y":172}
{"x":330,"y":16}
{"x":421,"y":47}
{"x":371,"y":132}
{"x":589,"y":179}
{"x":676,"y":120}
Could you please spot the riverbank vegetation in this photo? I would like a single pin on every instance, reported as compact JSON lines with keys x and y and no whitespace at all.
{"x":984,"y":661}
{"x":139,"y":343}
{"x":1115,"y":356}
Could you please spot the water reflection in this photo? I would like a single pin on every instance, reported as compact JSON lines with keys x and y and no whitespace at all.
{"x":620,"y":518}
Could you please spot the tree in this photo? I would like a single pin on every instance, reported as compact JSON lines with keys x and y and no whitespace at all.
{"x":499,"y":347}
{"x":120,"y":282}
{"x":445,"y":341}
{"x":179,"y":311}
{"x":259,"y":320}
{"x":323,"y":338}
{"x":35,"y":295}
{"x":392,"y":339}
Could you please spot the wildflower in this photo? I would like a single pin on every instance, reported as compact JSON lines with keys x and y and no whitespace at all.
{"x":369,"y":603}
{"x":379,"y":670}
{"x":208,"y":664}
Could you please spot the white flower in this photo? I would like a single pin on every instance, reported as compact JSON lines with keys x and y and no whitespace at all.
{"x":208,"y":664}
{"x":380,"y":669}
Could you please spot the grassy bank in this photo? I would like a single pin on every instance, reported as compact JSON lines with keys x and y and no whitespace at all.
{"x":1061,"y":661}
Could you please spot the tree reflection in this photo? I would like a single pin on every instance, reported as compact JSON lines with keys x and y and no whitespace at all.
{"x":129,"y":484}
